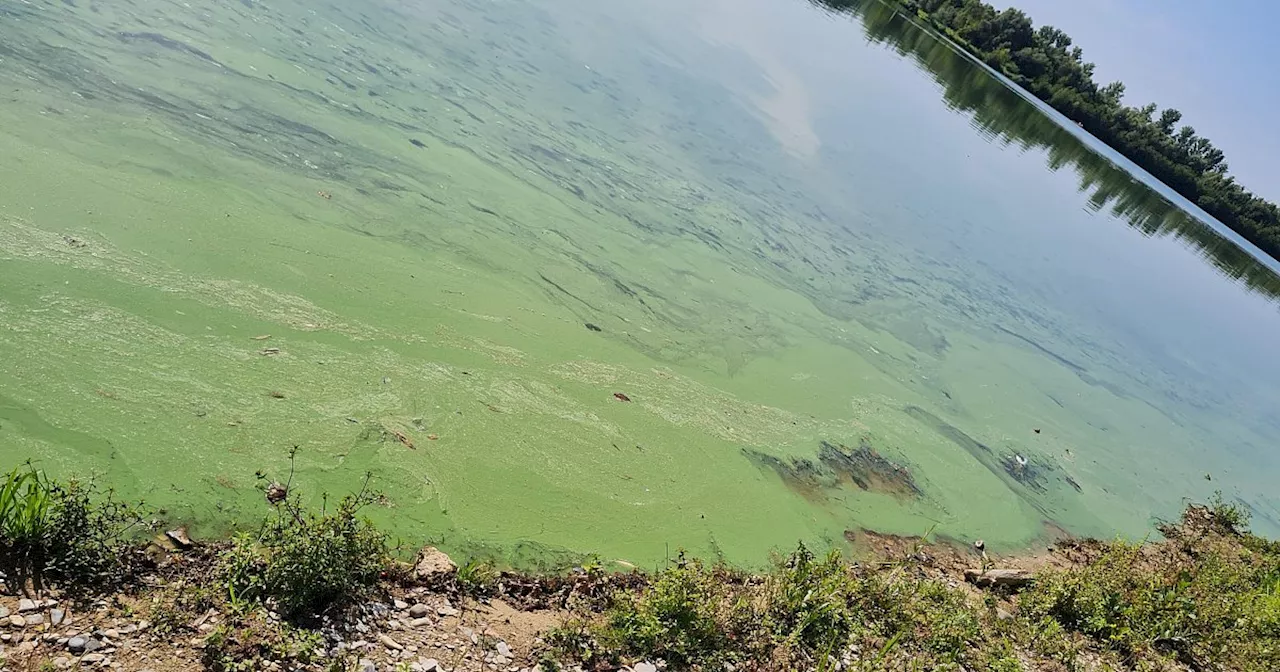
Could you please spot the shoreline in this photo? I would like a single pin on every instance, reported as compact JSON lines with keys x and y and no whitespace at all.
{"x":909,"y":603}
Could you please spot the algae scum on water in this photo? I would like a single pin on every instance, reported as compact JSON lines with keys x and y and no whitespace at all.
{"x":575,"y":278}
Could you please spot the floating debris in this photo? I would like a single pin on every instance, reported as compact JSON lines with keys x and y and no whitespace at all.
{"x":276,"y":394}
{"x":400,"y":436}
{"x":267,"y":352}
{"x":324,"y":194}
{"x":432,"y":437}
{"x":621,"y":397}
{"x":1036,"y":430}
{"x":591,"y":327}
{"x":263,"y":337}
{"x":277,"y":492}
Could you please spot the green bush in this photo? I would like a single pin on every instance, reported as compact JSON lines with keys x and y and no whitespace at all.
{"x":1209,"y":602}
{"x":675,"y":619}
{"x":808,"y":603}
{"x":71,"y":532}
{"x":305,"y":561}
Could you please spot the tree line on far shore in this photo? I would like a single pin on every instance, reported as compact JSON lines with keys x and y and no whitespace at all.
{"x":1045,"y":62}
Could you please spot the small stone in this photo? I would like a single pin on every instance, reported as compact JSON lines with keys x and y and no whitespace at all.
{"x":76,"y":645}
{"x":128,"y":629}
{"x":62,"y":662}
{"x":423,"y":622}
{"x":430,"y":665}
{"x":34,"y":619}
{"x":111,"y":634}
{"x":179,"y":538}
{"x":366,"y":665}
{"x":57,"y":616}
{"x":644,"y":667}
{"x":17,"y":621}
{"x":4,"y":612}
{"x":390,"y":643}
{"x":419,"y":610}
{"x":447,"y":610}
{"x":91,"y":645}
{"x":504,"y":650}
{"x":401,"y":605}
{"x":25,"y":605}
{"x":91,"y":658}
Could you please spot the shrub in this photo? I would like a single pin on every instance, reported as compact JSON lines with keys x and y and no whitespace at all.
{"x":305,"y":561}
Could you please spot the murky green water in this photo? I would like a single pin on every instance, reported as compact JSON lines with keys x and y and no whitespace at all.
{"x":841,"y":273}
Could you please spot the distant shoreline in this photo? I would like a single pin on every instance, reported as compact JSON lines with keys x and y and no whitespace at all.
{"x":1043,"y":62}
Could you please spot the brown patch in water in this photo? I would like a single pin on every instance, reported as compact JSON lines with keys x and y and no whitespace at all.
{"x":868,"y":469}
{"x":839,"y":467}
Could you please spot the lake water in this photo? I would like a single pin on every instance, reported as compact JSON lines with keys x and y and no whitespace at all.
{"x":617,"y":278}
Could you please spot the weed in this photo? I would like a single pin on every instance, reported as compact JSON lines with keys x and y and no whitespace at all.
{"x":242,"y":644}
{"x":477,"y":577}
